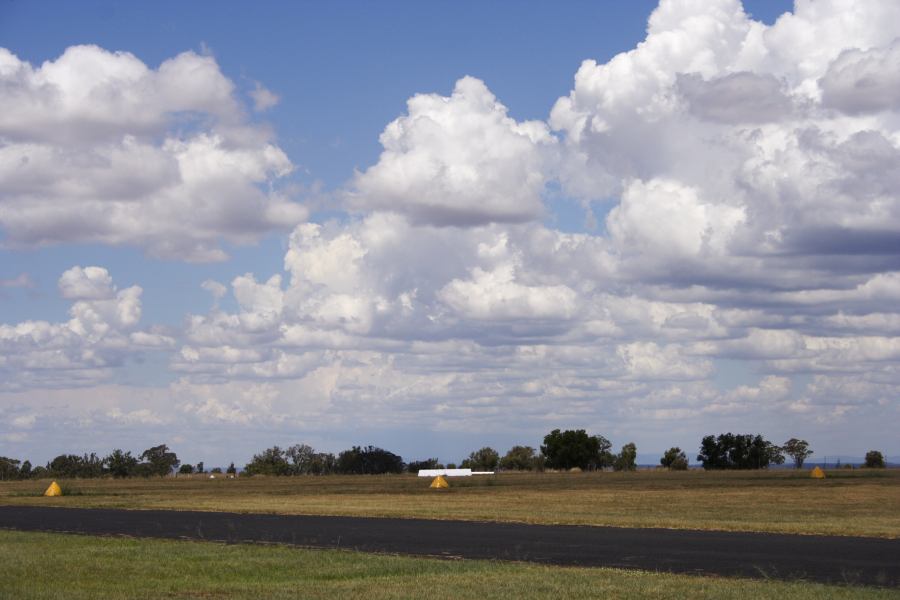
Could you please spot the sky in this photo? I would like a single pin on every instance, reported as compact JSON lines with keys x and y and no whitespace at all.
{"x":432,"y":227}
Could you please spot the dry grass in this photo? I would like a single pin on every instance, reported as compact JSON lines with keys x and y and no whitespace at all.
{"x":41,"y":566}
{"x":861,"y":502}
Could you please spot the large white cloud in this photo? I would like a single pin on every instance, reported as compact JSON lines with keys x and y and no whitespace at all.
{"x":98,"y":147}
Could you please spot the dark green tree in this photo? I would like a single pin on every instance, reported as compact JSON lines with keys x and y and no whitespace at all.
{"x":25,"y":470}
{"x":186,"y":469}
{"x":626,"y":460}
{"x":72,"y":465}
{"x":159,"y":460}
{"x":575,"y":448}
{"x":798,"y":450}
{"x":417,"y":465}
{"x":738,"y":451}
{"x":271,"y":461}
{"x":674,"y":459}
{"x":485,"y":459}
{"x":368,"y":461}
{"x":9,"y":468}
{"x":120,"y":464}
{"x":874,"y":460}
{"x":231,"y":470}
{"x":200,"y":468}
{"x":521,"y":458}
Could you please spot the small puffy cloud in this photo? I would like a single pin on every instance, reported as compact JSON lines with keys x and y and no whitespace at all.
{"x":496,"y":295}
{"x":215,"y":288}
{"x":101,"y":148}
{"x":22,"y":280}
{"x":458,"y":160}
{"x":88,"y":283}
{"x":263,"y":99}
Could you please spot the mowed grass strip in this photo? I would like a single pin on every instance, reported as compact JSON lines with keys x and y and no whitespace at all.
{"x":858,"y":502}
{"x":71,"y":567}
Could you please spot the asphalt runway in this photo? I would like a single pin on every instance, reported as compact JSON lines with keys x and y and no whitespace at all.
{"x":827,"y":559}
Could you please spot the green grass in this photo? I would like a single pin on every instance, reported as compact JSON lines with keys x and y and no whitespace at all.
{"x":858,"y":502}
{"x":71,"y":567}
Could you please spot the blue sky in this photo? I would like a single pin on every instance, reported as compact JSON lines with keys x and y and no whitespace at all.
{"x":424,"y":265}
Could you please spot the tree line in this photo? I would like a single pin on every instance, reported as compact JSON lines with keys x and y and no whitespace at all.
{"x":561,"y":450}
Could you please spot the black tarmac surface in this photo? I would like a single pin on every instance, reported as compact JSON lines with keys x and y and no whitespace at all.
{"x":828,"y":559}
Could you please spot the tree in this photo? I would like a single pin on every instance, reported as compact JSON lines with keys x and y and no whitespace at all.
{"x":159,"y":460}
{"x":72,"y":465}
{"x":626,"y":460}
{"x":417,"y":465}
{"x":674,"y":459}
{"x":231,"y":470}
{"x":216,"y":470}
{"x":9,"y":468}
{"x":485,"y":459}
{"x":575,"y":448}
{"x":186,"y":469}
{"x":120,"y":464}
{"x":874,"y":460}
{"x":738,"y":451}
{"x":322,"y":463}
{"x":798,"y":450}
{"x":521,"y":458}
{"x":271,"y":461}
{"x":301,"y":457}
{"x":25,"y":470}
{"x":368,"y":461}
{"x":200,"y":467}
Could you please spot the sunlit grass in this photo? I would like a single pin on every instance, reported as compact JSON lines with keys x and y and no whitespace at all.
{"x":855,"y":502}
{"x":72,"y":567}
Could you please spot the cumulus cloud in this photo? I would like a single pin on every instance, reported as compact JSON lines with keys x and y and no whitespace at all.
{"x":89,"y":283}
{"x":100,"y":334}
{"x":99,"y":147}
{"x":864,"y":80}
{"x":458,"y":160}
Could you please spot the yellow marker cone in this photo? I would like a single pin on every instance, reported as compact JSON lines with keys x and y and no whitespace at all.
{"x":53,"y":490}
{"x":817,"y":473}
{"x":439,"y":482}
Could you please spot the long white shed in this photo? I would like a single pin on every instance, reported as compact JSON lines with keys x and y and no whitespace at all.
{"x":452,"y":472}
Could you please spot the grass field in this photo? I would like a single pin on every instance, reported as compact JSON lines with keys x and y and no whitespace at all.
{"x":859,"y":502}
{"x":71,"y":567}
